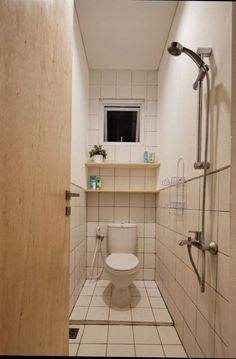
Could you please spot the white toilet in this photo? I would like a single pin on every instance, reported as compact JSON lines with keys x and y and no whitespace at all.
{"x":122,"y":265}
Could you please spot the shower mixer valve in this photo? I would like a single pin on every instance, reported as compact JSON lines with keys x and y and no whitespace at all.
{"x":198,"y":243}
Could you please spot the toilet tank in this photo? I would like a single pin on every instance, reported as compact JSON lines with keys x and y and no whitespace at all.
{"x":122,"y":238}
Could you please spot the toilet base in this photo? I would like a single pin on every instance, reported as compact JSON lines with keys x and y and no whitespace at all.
{"x":121,"y":297}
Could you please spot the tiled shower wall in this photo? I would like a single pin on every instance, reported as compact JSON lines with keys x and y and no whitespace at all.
{"x":77,"y":243}
{"x":109,"y":84}
{"x":104,"y":208}
{"x":200,"y":318}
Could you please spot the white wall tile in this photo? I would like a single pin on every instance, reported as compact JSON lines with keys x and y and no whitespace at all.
{"x":93,"y":122}
{"x":121,"y":200}
{"x":137,"y":200}
{"x":223,"y":275}
{"x":108,"y":183}
{"x":150,"y":138}
{"x":92,"y":200}
{"x":137,"y":183}
{"x":137,"y":153}
{"x":139,"y":91}
{"x":121,"y":214}
{"x":124,"y":77}
{"x":92,"y":137}
{"x":123,"y":91}
{"x":122,"y":153}
{"x":137,"y":172}
{"x":110,"y":153}
{"x":93,"y":107}
{"x":149,"y":260}
{"x":106,"y":199}
{"x":122,"y":183}
{"x":150,"y":230}
{"x":108,"y":91}
{"x":122,"y":172}
{"x":136,"y":215}
{"x":106,"y":214}
{"x":139,"y":77}
{"x":94,"y":92}
{"x":150,"y":123}
{"x":108,"y":77}
{"x":95,"y":77}
{"x":152,"y":93}
{"x":151,"y":108}
{"x":149,"y":245}
{"x":152,"y":77}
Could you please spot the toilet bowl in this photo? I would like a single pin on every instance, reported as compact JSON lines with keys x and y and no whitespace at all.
{"x":122,"y":265}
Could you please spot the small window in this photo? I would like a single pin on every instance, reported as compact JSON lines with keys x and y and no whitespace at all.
{"x":122,"y":122}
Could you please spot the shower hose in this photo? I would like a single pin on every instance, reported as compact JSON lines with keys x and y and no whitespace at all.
{"x":97,"y":251}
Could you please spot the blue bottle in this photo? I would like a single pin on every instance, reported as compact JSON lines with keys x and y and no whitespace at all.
{"x":145,"y":157}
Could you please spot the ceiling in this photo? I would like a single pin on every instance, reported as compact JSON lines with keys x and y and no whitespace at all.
{"x":124,"y":34}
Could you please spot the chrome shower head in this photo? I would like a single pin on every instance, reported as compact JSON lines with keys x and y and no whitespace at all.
{"x":177,"y":49}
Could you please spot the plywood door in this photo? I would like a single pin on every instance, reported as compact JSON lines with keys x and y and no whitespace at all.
{"x":35,"y":113}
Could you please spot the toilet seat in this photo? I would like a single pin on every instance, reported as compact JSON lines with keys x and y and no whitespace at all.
{"x":122,"y":262}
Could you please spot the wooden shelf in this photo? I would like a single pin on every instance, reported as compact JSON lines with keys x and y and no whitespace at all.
{"x":122,"y":191}
{"x":139,"y":165}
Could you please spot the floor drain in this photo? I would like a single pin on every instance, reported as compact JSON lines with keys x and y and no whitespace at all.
{"x":73,"y":332}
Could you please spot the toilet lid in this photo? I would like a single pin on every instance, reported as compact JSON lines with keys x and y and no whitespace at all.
{"x":122,"y":261}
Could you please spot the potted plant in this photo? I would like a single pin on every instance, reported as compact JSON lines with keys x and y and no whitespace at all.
{"x":98,"y":154}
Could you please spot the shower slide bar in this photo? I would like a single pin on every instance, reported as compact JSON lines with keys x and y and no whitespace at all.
{"x":198,"y":241}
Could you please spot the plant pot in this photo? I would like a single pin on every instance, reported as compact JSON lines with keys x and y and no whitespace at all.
{"x":98,"y":158}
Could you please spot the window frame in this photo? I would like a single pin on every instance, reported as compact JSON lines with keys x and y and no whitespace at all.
{"x":121,"y":103}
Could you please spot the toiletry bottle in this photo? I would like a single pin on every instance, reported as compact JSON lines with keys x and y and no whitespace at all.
{"x":98,"y":183}
{"x":145,"y":157}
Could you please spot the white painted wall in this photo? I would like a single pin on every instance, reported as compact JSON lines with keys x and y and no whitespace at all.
{"x":80,"y":96}
{"x":196,"y":24}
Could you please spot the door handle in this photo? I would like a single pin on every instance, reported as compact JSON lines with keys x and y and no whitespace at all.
{"x":69,"y":194}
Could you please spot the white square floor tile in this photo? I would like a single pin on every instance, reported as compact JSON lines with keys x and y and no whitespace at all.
{"x":87,"y":290}
{"x":149,"y":351}
{"x":138,"y":284}
{"x":140,"y":292}
{"x":117,"y":350}
{"x":162,"y":316}
{"x":144,"y":334}
{"x":100,"y":301}
{"x":79,"y":335}
{"x":97,"y":313}
{"x":168,"y":335}
{"x":150,"y":284}
{"x":79,"y":313}
{"x":120,"y":315}
{"x":83,"y":301}
{"x":103,"y":283}
{"x":90,"y":283}
{"x":73,"y":349}
{"x":174,"y":351}
{"x":153,"y":292}
{"x":157,"y":302}
{"x":102,"y":291}
{"x":142,"y":315}
{"x":120,"y":334}
{"x":140,"y":302}
{"x":98,"y":350}
{"x":95,"y":334}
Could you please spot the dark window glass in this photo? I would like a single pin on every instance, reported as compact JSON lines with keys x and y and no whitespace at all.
{"x":122,"y":126}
